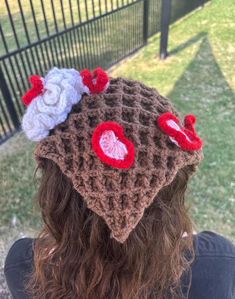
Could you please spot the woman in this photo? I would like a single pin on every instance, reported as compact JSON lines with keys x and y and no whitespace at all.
{"x":115,"y":160}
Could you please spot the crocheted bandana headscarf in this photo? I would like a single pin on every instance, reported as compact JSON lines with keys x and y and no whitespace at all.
{"x":117,"y":140}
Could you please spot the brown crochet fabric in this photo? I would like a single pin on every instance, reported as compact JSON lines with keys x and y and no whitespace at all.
{"x":119,"y":196}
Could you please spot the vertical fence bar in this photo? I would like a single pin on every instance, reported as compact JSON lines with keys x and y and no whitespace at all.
{"x":38,"y":37}
{"x":12,"y":65}
{"x":8,"y":100}
{"x":26,"y":32}
{"x":5,"y":123}
{"x":69,"y":45}
{"x":88,"y":37}
{"x":79,"y":12}
{"x":139,"y":28}
{"x":103,"y":43}
{"x":13,"y":89}
{"x":146,"y":21}
{"x":76,"y":42}
{"x":165,"y":22}
{"x":2,"y":127}
{"x":6,"y":119}
{"x":29,"y":42}
{"x":80,"y":38}
{"x":57,"y":30}
{"x":100,"y":11}
{"x":48,"y":33}
{"x":17,"y":43}
{"x":93,"y":8}
{"x":106,"y":6}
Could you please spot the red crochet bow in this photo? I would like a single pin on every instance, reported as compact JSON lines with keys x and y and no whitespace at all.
{"x":37,"y":89}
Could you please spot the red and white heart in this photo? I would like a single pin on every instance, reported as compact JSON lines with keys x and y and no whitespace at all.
{"x":184,"y":137}
{"x":111,"y":145}
{"x":97,"y":82}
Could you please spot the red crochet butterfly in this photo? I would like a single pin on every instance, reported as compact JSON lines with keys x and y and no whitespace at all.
{"x":185,"y":137}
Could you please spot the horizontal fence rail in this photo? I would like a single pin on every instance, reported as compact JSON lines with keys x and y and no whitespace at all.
{"x":36,"y":35}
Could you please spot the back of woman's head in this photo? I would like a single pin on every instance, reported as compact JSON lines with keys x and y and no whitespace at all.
{"x":115,"y":160}
{"x":76,"y":258}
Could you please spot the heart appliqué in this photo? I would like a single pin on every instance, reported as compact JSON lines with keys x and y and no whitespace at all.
{"x":184,"y":137}
{"x":97,"y":82}
{"x":36,"y":90}
{"x":111,"y":145}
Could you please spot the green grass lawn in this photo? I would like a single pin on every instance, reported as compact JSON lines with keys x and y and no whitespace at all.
{"x":199,"y":77}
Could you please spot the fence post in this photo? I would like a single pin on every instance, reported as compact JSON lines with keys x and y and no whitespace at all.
{"x":165,"y":22}
{"x":146,"y":21}
{"x":8,"y":101}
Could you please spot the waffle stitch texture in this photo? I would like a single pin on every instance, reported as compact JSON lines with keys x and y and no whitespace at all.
{"x":119,"y":196}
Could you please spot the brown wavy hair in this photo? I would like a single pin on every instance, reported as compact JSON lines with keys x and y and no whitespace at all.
{"x":75,"y":258}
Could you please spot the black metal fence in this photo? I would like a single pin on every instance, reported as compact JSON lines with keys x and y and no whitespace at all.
{"x":38,"y":34}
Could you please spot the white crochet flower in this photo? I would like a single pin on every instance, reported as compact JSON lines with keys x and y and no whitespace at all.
{"x":62,"y":89}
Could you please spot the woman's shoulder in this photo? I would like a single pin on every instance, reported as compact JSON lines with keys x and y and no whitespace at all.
{"x":21,"y":251}
{"x":208,"y":243}
{"x":18,"y":265}
{"x":213,"y":269}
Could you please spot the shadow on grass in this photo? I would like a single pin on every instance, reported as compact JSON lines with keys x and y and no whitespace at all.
{"x":203,"y":90}
{"x":203,"y":80}
{"x":188,"y":43}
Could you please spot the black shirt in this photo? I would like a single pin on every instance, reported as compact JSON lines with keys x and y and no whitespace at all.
{"x":213,"y":270}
